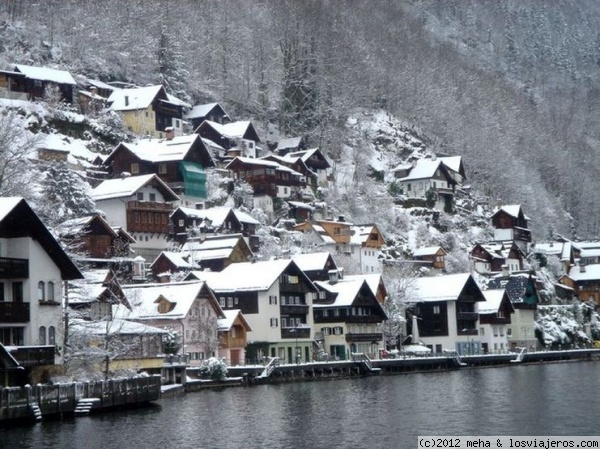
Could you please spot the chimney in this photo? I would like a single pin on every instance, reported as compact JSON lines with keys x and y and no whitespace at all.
{"x":94,"y":90}
{"x":581,"y":267}
{"x":169,"y":133}
{"x":341,"y":218}
{"x":333,"y":276}
{"x":505,"y":271}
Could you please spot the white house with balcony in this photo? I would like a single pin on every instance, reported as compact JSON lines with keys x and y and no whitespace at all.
{"x":142,"y":206}
{"x":33,"y":267}
{"x":429,"y":180}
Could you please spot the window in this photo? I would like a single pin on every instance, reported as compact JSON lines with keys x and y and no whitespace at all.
{"x":436,"y":310}
{"x":140,"y":196}
{"x":135,"y":168}
{"x":336,"y":312}
{"x":230,"y":302}
{"x":17,"y":291}
{"x":273,"y":322}
{"x":222,"y":301}
{"x":51,"y":291}
{"x":338,"y":330}
{"x":42,"y":336}
{"x":326,"y":330}
{"x":177,"y":124}
{"x":325,"y":313}
{"x":284,"y":322}
{"x":482,"y":331}
{"x":152,"y":196}
{"x":41,"y":291}
{"x":51,"y":335}
{"x":163,"y":307}
{"x":273,"y":300}
{"x":408,"y":187}
{"x":162,"y":169}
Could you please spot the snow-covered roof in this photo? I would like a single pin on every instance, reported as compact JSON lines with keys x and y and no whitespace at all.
{"x":289,"y":142}
{"x":46,"y":74}
{"x":493,"y":299}
{"x":346,"y":290}
{"x":99,"y":84}
{"x":590,"y":273}
{"x":372,"y":280}
{"x":402,"y":167}
{"x":245,"y":276}
{"x":225,"y":324}
{"x":175,"y":258}
{"x":360,"y":233}
{"x":311,"y":261}
{"x":143,"y":300}
{"x":233,"y":130}
{"x":592,"y":252}
{"x":177,"y":101}
{"x":438,"y":288}
{"x":200,"y":110}
{"x":133,"y":98}
{"x":452,"y":162}
{"x":265,"y":163}
{"x":323,"y":234}
{"x":427,"y":251}
{"x":217,"y":215}
{"x":7,"y":204}
{"x":512,"y":210}
{"x":217,"y":247}
{"x":552,"y":248}
{"x":89,"y":289}
{"x":162,"y":150}
{"x":300,"y":205}
{"x":126,"y":186}
{"x":115,"y":327}
{"x":424,"y":169}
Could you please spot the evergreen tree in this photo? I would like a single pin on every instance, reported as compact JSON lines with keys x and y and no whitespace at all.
{"x":64,"y":195}
{"x":171,"y":66}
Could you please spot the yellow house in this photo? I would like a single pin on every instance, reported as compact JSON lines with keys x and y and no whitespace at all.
{"x":148,"y":111}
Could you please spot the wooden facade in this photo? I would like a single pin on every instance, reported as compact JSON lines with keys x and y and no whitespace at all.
{"x":266,"y":177}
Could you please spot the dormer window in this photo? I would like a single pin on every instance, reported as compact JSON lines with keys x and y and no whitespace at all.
{"x":135,"y":168}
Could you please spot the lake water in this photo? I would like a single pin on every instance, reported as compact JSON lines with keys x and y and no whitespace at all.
{"x":374,"y":412}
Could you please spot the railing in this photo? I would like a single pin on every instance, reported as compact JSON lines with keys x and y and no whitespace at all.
{"x":295,"y":332}
{"x":467,"y":316}
{"x":14,"y":312}
{"x":11,"y":268}
{"x":149,"y":206}
{"x":521,"y":356}
{"x":273,"y":363}
{"x":363,"y":337}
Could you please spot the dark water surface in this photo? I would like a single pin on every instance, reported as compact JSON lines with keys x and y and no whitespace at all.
{"x":376,"y":412}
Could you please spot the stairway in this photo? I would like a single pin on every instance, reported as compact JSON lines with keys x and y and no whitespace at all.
{"x":365,"y":361}
{"x":274,"y":362}
{"x":85,"y":405}
{"x":35,"y":412}
{"x":521,"y":356}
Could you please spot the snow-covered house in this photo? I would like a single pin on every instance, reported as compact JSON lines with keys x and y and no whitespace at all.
{"x":148,"y":110}
{"x":430,"y":180}
{"x":93,"y":297}
{"x":495,"y":257}
{"x":289,"y":144}
{"x":446,"y":307}
{"x":189,"y":308}
{"x":142,"y":206}
{"x":233,"y":337}
{"x":365,"y":246}
{"x":316,"y":265}
{"x":276,"y":298}
{"x":35,"y":82}
{"x":33,"y":267}
{"x":186,"y":222}
{"x":180,"y":161}
{"x":432,"y":254}
{"x":267,"y":177}
{"x":494,"y":317}
{"x":375,"y":283}
{"x":561,"y":250}
{"x":168,"y":263}
{"x":456,"y":166}
{"x":523,"y":294}
{"x":217,"y":252}
{"x":311,"y":163}
{"x":213,"y":112}
{"x":93,"y":237}
{"x":236,"y":138}
{"x":510,"y":223}
{"x":348,"y":317}
{"x":584,"y":280}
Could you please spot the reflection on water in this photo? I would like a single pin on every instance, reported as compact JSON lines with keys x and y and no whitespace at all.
{"x":377,"y":412}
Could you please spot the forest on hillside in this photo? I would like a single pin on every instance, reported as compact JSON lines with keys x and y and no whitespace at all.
{"x":509,"y":85}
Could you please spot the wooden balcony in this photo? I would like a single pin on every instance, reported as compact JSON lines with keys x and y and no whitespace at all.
{"x":295,"y":332}
{"x":467,"y":332}
{"x":14,"y":312}
{"x":14,"y":268}
{"x":149,"y":206}
{"x":31,"y":356}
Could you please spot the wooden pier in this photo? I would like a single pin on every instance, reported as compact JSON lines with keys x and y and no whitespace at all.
{"x":52,"y":401}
